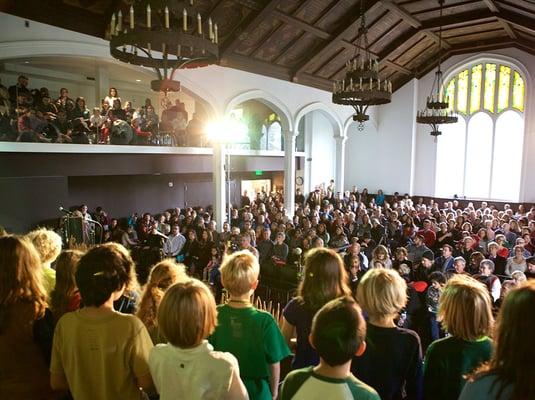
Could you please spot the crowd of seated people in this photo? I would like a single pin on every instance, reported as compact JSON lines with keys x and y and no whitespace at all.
{"x":447,"y":294}
{"x":35,"y":115}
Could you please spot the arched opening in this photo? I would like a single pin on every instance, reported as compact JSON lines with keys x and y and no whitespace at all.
{"x":317,"y":130}
{"x":484,"y":149}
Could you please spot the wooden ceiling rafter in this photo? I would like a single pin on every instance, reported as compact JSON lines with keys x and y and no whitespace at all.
{"x":492,"y":6}
{"x":323,"y":15}
{"x":412,"y":21}
{"x":339,"y":35}
{"x":252,"y":20}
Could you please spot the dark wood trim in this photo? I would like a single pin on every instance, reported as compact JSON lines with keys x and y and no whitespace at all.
{"x":491,"y":5}
{"x":519,"y":21}
{"x":57,"y":13}
{"x":256,"y":66}
{"x":450,"y":21}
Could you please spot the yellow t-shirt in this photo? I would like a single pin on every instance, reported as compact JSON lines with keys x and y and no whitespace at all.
{"x":49,"y":279}
{"x":101,"y":357}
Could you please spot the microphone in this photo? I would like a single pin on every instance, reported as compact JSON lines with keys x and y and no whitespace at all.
{"x":60,"y":208}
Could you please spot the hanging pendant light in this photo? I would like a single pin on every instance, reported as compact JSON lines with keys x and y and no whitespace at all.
{"x":166,"y":36}
{"x":361,"y":86}
{"x":437,"y":105}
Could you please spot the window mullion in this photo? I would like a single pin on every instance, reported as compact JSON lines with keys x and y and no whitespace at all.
{"x":492,"y":156}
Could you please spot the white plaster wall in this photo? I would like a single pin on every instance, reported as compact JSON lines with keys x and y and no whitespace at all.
{"x":322,"y":152}
{"x":380,"y":157}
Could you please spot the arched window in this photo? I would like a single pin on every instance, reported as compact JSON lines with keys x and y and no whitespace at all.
{"x":481,"y":155}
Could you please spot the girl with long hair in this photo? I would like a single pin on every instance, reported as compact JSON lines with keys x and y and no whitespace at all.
{"x":510,"y":373}
{"x":325,"y":279}
{"x":163,"y":275}
{"x":23,"y":309}
{"x":65,"y":297}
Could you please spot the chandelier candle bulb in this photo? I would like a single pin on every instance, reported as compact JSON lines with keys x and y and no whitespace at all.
{"x":178,"y":51}
{"x":112,"y":25}
{"x":210,"y":29}
{"x":360,"y":83}
{"x":379,"y":83}
{"x":119,"y":21}
{"x":163,"y":49}
{"x":149,"y":47}
{"x":149,"y":19}
{"x":185,"y":20}
{"x":132,"y":17}
{"x":215,"y":34}
{"x":371,"y":82}
{"x":166,"y":17}
{"x":199,"y":24}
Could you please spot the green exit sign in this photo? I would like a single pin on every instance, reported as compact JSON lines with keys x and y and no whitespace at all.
{"x":259,"y":173}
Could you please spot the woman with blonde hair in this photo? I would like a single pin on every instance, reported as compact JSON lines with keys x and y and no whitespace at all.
{"x":392,"y":362}
{"x":65,"y":297}
{"x":510,"y":374}
{"x":163,"y":275}
{"x":48,"y":245}
{"x":465,"y":309}
{"x":24,"y":348}
{"x":325,"y":279}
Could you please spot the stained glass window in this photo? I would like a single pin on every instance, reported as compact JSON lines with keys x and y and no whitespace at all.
{"x":490,"y":87}
{"x":475,"y":88}
{"x":485,"y":148}
{"x":462,"y":94}
{"x":449,"y":94}
{"x":518,"y":92}
{"x":503,"y":88}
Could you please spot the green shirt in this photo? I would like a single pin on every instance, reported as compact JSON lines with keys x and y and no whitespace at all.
{"x":254,"y":338}
{"x":447,"y":361}
{"x":305,"y":384}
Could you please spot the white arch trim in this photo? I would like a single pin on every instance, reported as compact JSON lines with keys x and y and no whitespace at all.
{"x":486,"y":57}
{"x":47,"y":48}
{"x":269,"y":100}
{"x":331,"y":116}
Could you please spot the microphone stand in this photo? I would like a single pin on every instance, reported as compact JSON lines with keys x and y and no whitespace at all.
{"x":101,"y":228}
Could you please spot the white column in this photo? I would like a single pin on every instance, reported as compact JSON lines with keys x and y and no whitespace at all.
{"x":102,"y":84}
{"x":309,"y":139}
{"x":218,"y":181}
{"x":289,"y":172}
{"x":340,"y":163}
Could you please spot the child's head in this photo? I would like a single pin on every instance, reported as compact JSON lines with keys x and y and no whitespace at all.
{"x":47,"y":243}
{"x":338,"y":331}
{"x":20,"y":274}
{"x":187,"y":314}
{"x":382,"y":293}
{"x":239,"y":272}
{"x":466,"y":308}
{"x":325,"y":278}
{"x":437,"y":279}
{"x":104,"y":271}
{"x":66,"y":266}
{"x":96,"y":112}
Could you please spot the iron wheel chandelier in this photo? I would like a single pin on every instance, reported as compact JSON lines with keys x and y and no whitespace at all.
{"x":361,"y":86}
{"x":164,"y":35}
{"x":436,"y":112}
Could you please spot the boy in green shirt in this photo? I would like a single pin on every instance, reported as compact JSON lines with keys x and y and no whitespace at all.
{"x":338,"y":332}
{"x":251,"y":335}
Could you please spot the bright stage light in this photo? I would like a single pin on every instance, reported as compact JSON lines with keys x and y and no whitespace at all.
{"x":228,"y":130}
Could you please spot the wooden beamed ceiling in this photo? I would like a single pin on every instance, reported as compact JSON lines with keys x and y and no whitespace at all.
{"x":309,"y":41}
